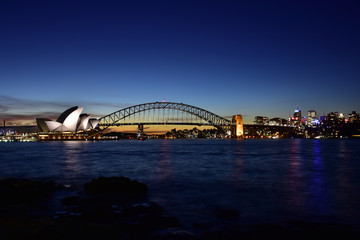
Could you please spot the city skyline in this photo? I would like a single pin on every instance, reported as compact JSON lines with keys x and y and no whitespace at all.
{"x":257,"y":58}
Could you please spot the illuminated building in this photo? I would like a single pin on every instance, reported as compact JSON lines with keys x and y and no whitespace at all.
{"x":341,"y":117}
{"x":334,"y":118}
{"x":261,"y":120}
{"x":354,"y":117}
{"x":311,"y":119}
{"x":278,"y":122}
{"x":238,"y":129}
{"x":295,"y":120}
{"x":69,"y":121}
{"x":332,"y":126}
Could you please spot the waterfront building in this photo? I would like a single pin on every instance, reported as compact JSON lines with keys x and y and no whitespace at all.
{"x":332,"y":116}
{"x":261,"y":120}
{"x":278,"y":122}
{"x":69,"y":121}
{"x":353,"y":117}
{"x":341,"y":118}
{"x":312,"y":120}
{"x":295,"y":120}
{"x":335,"y":118}
{"x":311,"y":117}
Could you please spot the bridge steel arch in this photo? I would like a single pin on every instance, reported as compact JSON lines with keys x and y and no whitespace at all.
{"x":213,"y":119}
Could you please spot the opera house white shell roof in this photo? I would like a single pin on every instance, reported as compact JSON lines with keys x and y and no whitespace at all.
{"x":69,"y":121}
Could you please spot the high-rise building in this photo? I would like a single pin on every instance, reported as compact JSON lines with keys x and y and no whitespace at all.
{"x":335,"y":118}
{"x":311,"y":118}
{"x":332,"y":116}
{"x":295,"y":120}
{"x":341,"y":117}
{"x":261,"y":120}
{"x":353,"y":117}
{"x":278,"y":122}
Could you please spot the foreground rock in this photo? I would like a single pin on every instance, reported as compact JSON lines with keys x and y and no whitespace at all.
{"x":115,"y":185}
{"x":295,"y":230}
{"x":18,"y":190}
{"x":18,"y":199}
{"x":110,"y":208}
{"x":117,"y":208}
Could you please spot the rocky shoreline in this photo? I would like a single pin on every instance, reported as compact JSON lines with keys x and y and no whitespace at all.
{"x":118,"y":208}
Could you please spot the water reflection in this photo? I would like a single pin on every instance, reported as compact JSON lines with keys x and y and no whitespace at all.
{"x":345,"y":167}
{"x":318,"y":197}
{"x":73,"y":162}
{"x":344,"y":151}
{"x":237,"y":175}
{"x":294,"y":185}
{"x":163,"y":171}
{"x":346,"y":188}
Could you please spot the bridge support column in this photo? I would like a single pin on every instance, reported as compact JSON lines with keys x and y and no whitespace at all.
{"x":140,"y":130}
{"x":238,"y":126}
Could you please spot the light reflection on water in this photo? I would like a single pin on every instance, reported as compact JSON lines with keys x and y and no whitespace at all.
{"x":318,"y":197}
{"x":237,"y":174}
{"x":163,"y":169}
{"x":294,"y":183}
{"x":73,"y":162}
{"x":264,"y":180}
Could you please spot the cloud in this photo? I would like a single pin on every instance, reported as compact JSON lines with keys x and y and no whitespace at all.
{"x":16,"y":104}
{"x":15,"y":116}
{"x":24,"y":111}
{"x":98,"y":104}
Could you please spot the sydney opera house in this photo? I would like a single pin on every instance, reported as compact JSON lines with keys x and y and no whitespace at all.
{"x":71,"y":121}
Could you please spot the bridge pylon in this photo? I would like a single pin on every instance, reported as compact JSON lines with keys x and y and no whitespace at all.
{"x":237,"y":126}
{"x":140,"y":132}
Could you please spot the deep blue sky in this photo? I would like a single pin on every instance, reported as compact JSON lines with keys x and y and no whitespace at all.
{"x":229,"y":57}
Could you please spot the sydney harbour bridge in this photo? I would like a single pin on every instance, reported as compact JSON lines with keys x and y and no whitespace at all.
{"x":171,"y":113}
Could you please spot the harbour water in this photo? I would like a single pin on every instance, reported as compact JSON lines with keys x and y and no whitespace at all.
{"x":261,"y":180}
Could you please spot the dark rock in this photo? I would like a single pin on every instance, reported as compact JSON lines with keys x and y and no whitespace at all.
{"x":71,"y":229}
{"x":283,"y":231}
{"x":227,"y":214}
{"x":72,"y":200}
{"x":143,"y":208}
{"x":115,"y":185}
{"x":15,"y":191}
{"x":151,"y":223}
{"x":316,"y":230}
{"x":146,"y":218}
{"x":100,"y":214}
{"x":106,"y":213}
{"x":172,"y":234}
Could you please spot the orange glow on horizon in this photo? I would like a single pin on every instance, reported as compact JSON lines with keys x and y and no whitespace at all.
{"x":154,"y":129}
